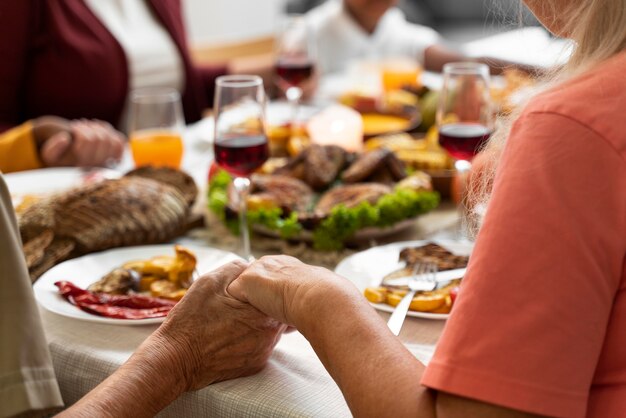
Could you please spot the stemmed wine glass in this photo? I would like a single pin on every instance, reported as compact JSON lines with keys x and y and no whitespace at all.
{"x":465,"y":116}
{"x":295,"y":58}
{"x":240,"y":141}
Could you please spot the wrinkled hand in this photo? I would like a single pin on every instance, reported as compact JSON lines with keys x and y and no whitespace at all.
{"x":210,"y":336}
{"x":83,"y":143}
{"x":286,"y":289}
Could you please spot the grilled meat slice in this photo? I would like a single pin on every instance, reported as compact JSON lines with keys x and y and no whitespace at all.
{"x":285,"y":192}
{"x":318,"y":165}
{"x":396,"y":167}
{"x":120,"y":281}
{"x":294,"y":168}
{"x":380,"y":165}
{"x":112,"y":213}
{"x":322,"y":165}
{"x":365,"y":165}
{"x":350,"y":195}
{"x":444,"y":259}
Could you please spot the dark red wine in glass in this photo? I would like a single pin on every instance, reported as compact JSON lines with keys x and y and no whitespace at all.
{"x":463,"y":140}
{"x":294,"y":72}
{"x":241,"y":155}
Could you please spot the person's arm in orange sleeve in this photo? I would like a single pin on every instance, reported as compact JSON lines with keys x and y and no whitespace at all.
{"x":50,"y":141}
{"x":18,"y":149}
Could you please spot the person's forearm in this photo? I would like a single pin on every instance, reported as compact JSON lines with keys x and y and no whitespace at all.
{"x":436,"y":56}
{"x":142,"y":387}
{"x":376,"y":373}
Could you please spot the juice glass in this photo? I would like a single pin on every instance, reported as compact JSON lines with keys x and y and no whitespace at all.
{"x":156,"y":124}
{"x":399,"y":73}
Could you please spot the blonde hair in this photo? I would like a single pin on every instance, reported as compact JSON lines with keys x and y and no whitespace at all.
{"x":598,"y":29}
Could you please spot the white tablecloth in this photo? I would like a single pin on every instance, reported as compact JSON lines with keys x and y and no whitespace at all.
{"x":294,"y":384}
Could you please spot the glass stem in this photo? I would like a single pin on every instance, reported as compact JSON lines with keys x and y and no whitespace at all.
{"x":294,"y":94}
{"x":242,"y":186}
{"x":463,"y":167}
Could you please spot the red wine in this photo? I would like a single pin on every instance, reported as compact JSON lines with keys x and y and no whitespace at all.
{"x":294,"y":72}
{"x":463,"y":140}
{"x":241,"y":155}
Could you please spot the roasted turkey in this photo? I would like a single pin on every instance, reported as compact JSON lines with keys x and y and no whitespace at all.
{"x":132,"y":210}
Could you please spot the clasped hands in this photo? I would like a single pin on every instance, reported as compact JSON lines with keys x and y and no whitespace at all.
{"x":229,"y":321}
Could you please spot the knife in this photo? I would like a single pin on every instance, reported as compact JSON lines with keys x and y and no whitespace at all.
{"x":442,"y":276}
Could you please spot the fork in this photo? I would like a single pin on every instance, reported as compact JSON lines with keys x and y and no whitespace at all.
{"x":424,"y":278}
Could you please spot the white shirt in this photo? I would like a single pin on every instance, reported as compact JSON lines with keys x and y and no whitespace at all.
{"x":341,"y":40}
{"x":153,"y":58}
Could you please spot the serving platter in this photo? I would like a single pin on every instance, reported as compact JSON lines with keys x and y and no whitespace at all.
{"x":85,"y":270}
{"x":367,"y":268}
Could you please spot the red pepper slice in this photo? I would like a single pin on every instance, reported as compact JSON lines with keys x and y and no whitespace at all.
{"x":115,"y":306}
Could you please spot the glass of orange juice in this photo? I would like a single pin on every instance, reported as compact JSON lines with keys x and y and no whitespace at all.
{"x":156,"y":124}
{"x":399,"y":73}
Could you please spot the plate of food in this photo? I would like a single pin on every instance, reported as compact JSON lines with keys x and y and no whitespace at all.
{"x":329,"y":197}
{"x":379,"y":271}
{"x":27,"y":187}
{"x":392,"y":112}
{"x":125,"y":286}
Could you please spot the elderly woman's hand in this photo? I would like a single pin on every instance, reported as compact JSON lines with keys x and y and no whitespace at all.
{"x":81,"y":143}
{"x":209,"y":336}
{"x":287,"y":289}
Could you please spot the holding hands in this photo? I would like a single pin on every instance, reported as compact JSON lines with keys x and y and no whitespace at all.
{"x":210,"y":337}
{"x":229,"y":321}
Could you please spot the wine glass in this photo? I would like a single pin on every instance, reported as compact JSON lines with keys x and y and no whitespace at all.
{"x":295,"y":58}
{"x":240,"y":140}
{"x":465,"y":119}
{"x":155,"y":127}
{"x":465,"y":115}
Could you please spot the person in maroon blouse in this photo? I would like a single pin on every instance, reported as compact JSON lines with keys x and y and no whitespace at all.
{"x":58,"y":58}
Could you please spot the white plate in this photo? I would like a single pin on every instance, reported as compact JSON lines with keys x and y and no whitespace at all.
{"x":51,"y":180}
{"x":85,"y":270}
{"x":367,"y":268}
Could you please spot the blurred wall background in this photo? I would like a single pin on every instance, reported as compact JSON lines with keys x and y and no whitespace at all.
{"x":225,"y":21}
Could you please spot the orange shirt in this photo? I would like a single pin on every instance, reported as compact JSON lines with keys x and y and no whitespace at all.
{"x":540,"y":325}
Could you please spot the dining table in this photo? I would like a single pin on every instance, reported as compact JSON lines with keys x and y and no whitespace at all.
{"x":294,"y":383}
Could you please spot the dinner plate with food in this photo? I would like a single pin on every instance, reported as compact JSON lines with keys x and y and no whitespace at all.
{"x":126,"y":286}
{"x":382,"y":273}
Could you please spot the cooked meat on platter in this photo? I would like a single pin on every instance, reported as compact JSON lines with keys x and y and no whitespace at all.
{"x":322,"y":165}
{"x":131,"y":210}
{"x":284,"y":192}
{"x":380,"y":165}
{"x":351,"y":195}
{"x":312,"y":184}
{"x":318,"y":166}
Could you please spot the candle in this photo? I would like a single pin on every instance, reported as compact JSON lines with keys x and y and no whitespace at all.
{"x":337,"y":125}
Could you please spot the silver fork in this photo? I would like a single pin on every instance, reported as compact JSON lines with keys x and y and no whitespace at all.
{"x":424,"y":278}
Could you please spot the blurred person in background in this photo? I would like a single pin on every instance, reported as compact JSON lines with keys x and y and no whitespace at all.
{"x":79,"y":59}
{"x":349,"y":30}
